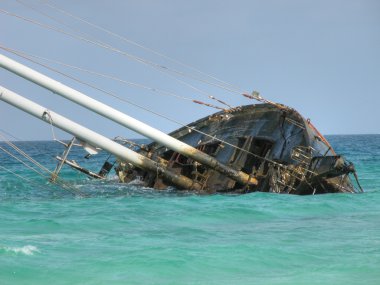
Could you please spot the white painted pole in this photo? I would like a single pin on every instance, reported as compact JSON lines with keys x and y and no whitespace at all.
{"x":94,"y":138}
{"x":123,"y":119}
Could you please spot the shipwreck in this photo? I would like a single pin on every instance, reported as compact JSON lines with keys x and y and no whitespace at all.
{"x":266,"y":147}
{"x":277,"y":148}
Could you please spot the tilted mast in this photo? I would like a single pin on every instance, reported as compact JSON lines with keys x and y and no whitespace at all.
{"x":124,"y":120}
{"x":95,"y":139}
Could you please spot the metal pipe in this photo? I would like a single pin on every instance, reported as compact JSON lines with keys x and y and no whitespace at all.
{"x":57,"y":170}
{"x":124,"y":120}
{"x":95,"y":139}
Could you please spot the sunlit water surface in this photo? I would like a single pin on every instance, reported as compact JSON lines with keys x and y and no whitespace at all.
{"x":110,"y":233}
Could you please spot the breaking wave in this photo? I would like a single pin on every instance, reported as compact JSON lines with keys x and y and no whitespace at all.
{"x":27,"y":249}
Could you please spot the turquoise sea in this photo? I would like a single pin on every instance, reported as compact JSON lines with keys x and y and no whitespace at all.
{"x":108,"y":233}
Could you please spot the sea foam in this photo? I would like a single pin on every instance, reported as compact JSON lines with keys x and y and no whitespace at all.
{"x":27,"y":249}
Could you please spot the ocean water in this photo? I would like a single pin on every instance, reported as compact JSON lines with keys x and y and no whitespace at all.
{"x":107,"y":233}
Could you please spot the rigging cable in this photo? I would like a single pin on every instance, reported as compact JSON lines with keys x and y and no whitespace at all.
{"x":146,"y":109}
{"x":60,"y":183}
{"x":55,"y":7}
{"x":134,"y":43}
{"x":98,"y":89}
{"x":20,"y":151}
{"x":23,"y":162}
{"x":227,"y":86}
{"x":52,"y":18}
{"x":23,"y":178}
{"x":159,"y":91}
{"x":254,"y":95}
{"x":160,"y":68}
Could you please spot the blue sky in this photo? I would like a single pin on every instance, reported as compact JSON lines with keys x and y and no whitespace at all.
{"x":319,"y":57}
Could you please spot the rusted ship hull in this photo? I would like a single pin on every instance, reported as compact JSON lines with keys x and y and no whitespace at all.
{"x":282,"y":151}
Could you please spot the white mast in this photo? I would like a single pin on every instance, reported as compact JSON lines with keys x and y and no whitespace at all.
{"x":123,"y":119}
{"x":95,"y":139}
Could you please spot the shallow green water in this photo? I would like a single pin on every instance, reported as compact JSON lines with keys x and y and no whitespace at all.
{"x":130,"y":235}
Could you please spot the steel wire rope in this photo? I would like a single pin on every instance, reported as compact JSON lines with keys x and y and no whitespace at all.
{"x":159,"y":91}
{"x":23,"y":162}
{"x":160,"y":68}
{"x":20,"y":151}
{"x":28,"y":6}
{"x":16,"y":148}
{"x":60,"y":182}
{"x":9,"y":134}
{"x":138,"y":85}
{"x":123,"y":38}
{"x":145,"y":109}
{"x":114,"y":34}
{"x":19,"y":139}
{"x":23,"y":178}
{"x":254,"y":95}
